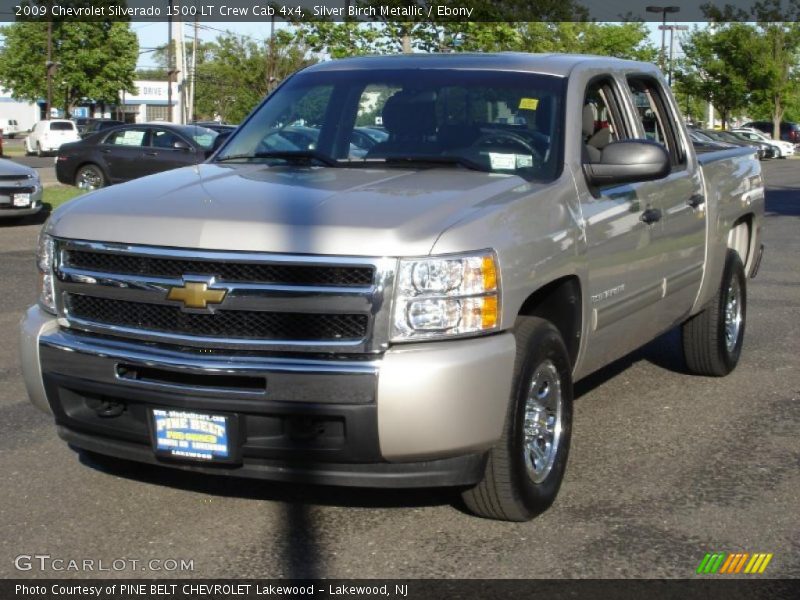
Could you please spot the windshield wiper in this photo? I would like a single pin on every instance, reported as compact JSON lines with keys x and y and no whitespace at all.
{"x":436,"y":159}
{"x":300,"y":156}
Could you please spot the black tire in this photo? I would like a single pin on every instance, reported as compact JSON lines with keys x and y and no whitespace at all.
{"x":90,"y":172}
{"x":507,"y":491}
{"x":706,"y":346}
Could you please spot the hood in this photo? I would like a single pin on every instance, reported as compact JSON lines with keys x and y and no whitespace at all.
{"x":286,"y":209}
{"x":9,"y":169}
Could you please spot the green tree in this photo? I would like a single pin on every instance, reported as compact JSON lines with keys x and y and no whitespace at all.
{"x":237,"y":72}
{"x":774,"y":48}
{"x":718,"y":66}
{"x":94,"y":61}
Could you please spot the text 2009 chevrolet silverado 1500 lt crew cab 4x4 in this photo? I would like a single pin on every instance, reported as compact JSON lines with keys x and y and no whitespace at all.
{"x":411,"y":313}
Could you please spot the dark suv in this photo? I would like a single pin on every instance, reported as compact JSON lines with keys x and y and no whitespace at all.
{"x":790,"y":132}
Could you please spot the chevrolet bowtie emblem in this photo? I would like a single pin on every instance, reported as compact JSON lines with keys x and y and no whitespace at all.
{"x":196,"y":295}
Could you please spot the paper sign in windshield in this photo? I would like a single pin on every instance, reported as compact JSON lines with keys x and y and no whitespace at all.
{"x":501,"y":161}
{"x":528,"y":103}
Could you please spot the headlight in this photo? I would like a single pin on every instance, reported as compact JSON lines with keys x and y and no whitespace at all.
{"x":45,"y":257}
{"x":445,"y":296}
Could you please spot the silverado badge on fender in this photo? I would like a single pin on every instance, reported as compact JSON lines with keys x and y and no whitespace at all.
{"x":195,"y":294}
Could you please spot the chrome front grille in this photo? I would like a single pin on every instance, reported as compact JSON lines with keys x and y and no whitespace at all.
{"x":287,"y":274}
{"x":274,"y":302}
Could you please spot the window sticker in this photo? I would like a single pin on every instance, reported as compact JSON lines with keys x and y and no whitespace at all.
{"x":528,"y":103}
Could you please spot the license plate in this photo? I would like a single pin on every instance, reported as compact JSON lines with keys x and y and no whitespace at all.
{"x":192,"y":436}
{"x":21,"y":200}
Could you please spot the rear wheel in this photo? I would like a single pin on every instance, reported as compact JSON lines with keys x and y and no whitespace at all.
{"x":713,"y":339}
{"x":90,"y":177}
{"x":525,"y":469}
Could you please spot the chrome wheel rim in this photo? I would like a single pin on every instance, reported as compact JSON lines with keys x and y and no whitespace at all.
{"x":542,"y":427}
{"x":89,"y":180}
{"x":733,"y":314}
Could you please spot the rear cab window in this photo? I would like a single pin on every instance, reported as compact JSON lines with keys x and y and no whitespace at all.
{"x":62,"y":126}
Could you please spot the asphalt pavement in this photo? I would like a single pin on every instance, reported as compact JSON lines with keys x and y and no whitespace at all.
{"x":664,"y":467}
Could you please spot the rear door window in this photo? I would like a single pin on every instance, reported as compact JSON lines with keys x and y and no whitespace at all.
{"x":652,"y":110}
{"x":127,"y":137}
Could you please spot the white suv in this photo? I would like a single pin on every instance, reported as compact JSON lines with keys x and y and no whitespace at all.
{"x":9,"y":127}
{"x":47,"y":136}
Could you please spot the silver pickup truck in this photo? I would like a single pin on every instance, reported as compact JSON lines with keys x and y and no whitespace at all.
{"x":391,"y":275}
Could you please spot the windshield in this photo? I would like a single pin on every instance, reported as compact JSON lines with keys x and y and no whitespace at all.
{"x":490,"y":121}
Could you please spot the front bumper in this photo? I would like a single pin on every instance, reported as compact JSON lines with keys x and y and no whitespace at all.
{"x":7,"y":210}
{"x":418,"y":415}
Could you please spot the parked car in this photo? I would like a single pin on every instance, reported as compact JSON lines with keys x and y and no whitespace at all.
{"x":413,"y":318}
{"x":20,"y":190}
{"x":47,"y":137}
{"x":764,"y":150}
{"x":9,"y":127}
{"x":93,"y":126}
{"x":782,"y":148}
{"x":366,"y":138}
{"x":703,"y":143}
{"x":215,"y":126}
{"x":790,"y":132}
{"x":131,"y":151}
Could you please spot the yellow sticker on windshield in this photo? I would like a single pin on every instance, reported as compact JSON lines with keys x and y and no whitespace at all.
{"x":528,"y":103}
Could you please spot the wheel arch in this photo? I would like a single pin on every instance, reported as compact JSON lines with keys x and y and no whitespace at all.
{"x":741,"y":239}
{"x":561,"y":303}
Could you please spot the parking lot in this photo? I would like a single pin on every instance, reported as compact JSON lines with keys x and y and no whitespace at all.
{"x":664,"y":467}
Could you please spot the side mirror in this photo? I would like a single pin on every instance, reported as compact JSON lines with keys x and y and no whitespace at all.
{"x":218,"y":142}
{"x":181,"y":145}
{"x":629,"y":161}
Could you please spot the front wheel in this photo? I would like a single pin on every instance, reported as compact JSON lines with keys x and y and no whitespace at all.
{"x":525,"y":469}
{"x":713,"y":339}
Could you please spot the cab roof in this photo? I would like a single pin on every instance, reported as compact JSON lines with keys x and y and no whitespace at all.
{"x":559,"y":65}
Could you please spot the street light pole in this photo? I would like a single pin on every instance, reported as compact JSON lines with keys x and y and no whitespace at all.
{"x":672,"y":29}
{"x":663,"y":10}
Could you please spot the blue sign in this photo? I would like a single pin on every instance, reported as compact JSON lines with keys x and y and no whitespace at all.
{"x":191,"y":435}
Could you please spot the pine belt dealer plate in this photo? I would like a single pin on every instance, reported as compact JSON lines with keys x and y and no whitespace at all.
{"x":193,"y":436}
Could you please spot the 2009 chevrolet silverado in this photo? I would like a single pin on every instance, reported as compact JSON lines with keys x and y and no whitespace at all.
{"x":407,"y":310}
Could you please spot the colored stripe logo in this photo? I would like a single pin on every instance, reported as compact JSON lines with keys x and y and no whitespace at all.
{"x":723,"y":563}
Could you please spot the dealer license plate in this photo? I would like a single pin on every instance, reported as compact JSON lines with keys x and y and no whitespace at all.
{"x":21,"y":200}
{"x":191,"y":435}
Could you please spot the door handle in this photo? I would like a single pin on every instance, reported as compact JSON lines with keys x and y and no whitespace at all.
{"x":696,"y":200}
{"x":651,"y":215}
{"x":151,"y":153}
{"x":105,"y":151}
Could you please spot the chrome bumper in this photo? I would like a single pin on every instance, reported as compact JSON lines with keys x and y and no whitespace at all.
{"x":415,"y":403}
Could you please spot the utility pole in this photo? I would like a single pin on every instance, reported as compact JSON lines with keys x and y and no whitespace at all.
{"x":49,"y":66}
{"x":169,"y":64}
{"x":271,"y":58}
{"x":194,"y":72}
{"x":180,"y":69}
{"x":672,"y":29}
{"x":663,"y":10}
